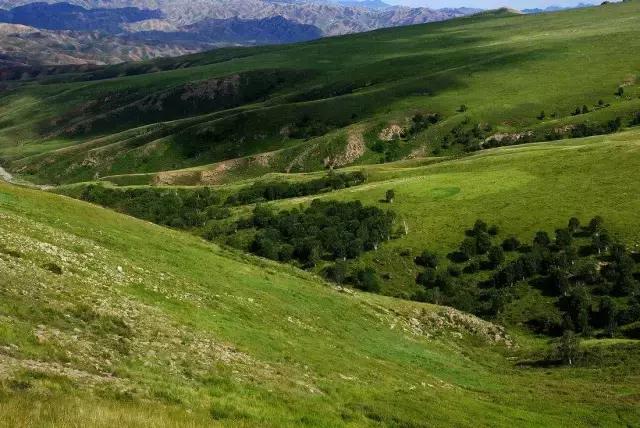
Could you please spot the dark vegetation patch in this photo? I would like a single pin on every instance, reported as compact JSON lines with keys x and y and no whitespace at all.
{"x":130,"y":107}
{"x":591,"y":278}
{"x":192,"y":208}
{"x":181,"y":208}
{"x":261,"y":192}
{"x":53,"y":268}
{"x":326,"y":230}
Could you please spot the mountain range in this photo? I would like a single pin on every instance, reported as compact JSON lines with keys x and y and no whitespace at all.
{"x":110,"y":31}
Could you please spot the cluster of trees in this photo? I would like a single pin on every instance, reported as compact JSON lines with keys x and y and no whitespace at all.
{"x":469,"y":137}
{"x":420,"y":122}
{"x":392,"y":150}
{"x":181,"y":208}
{"x":326,"y":230}
{"x":592,"y":278}
{"x":260,"y":192}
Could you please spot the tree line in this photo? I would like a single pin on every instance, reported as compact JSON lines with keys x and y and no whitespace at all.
{"x":261,"y":192}
{"x":180,"y":208}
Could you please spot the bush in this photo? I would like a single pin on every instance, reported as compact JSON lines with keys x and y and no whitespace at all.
{"x":427,"y":259}
{"x":511,"y":244}
{"x":367,"y":280}
{"x":53,"y":268}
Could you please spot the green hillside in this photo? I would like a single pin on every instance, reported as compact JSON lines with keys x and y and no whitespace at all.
{"x":334,"y":102}
{"x":489,"y":164}
{"x":107,"y":319}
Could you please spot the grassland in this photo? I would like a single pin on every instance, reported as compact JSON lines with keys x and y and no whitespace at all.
{"x":108,"y":320}
{"x":143,"y":325}
{"x":337,"y":95}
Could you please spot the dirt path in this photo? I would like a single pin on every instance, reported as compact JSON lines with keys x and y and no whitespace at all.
{"x":9,"y":178}
{"x":5,"y":175}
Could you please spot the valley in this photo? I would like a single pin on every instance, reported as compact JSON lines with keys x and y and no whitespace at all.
{"x":430,"y":225}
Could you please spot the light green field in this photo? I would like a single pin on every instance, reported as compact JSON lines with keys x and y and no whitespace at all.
{"x":189,"y":334}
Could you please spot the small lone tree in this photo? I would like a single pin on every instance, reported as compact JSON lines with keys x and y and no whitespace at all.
{"x":567,"y":349}
{"x":390,"y":196}
{"x":620,"y":91}
{"x":542,"y":115}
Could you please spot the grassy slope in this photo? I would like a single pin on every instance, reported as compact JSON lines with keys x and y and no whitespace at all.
{"x":522,"y":189}
{"x":505,"y":68}
{"x":188,"y":332}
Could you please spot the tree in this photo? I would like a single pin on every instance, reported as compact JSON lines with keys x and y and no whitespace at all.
{"x":542,"y":115}
{"x":542,"y":239}
{"x":578,"y":304}
{"x":574,"y":224}
{"x":608,"y":313}
{"x":390,"y":196}
{"x":511,"y":244}
{"x":462,"y":108}
{"x":337,"y":272}
{"x":560,"y":281}
{"x":468,"y":248}
{"x":620,"y":91}
{"x":427,"y":259}
{"x":601,"y":241}
{"x":567,"y":348}
{"x":483,"y":242}
{"x":367,"y":280}
{"x":563,"y":238}
{"x":480,"y":226}
{"x":585,"y":109}
{"x":427,"y":278}
{"x":496,"y":256}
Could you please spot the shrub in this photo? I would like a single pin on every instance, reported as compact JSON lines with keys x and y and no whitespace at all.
{"x":367,"y":280}
{"x":511,"y":244}
{"x":53,"y":268}
{"x":427,"y":259}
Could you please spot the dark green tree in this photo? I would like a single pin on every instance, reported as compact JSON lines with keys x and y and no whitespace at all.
{"x":511,"y":244}
{"x":427,"y":259}
{"x":542,"y":239}
{"x":496,"y":256}
{"x":574,"y":224}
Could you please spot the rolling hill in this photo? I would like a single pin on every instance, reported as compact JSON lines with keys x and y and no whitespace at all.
{"x":336,"y":101}
{"x":107,"y":318}
{"x":398,"y":141}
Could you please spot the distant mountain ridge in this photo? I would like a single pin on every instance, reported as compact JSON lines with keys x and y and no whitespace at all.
{"x":66,"y":16}
{"x":556,"y":8}
{"x":331,"y":18}
{"x":180,"y":26}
